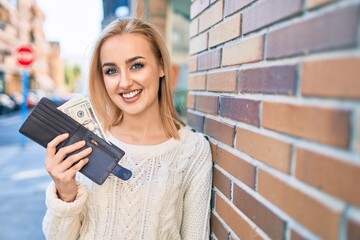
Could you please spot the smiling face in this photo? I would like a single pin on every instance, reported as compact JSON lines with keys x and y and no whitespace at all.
{"x":131,"y":73}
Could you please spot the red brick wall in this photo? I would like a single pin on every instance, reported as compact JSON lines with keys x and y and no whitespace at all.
{"x":275,"y":84}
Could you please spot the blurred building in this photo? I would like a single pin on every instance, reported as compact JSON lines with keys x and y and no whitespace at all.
{"x":56,"y":64}
{"x":115,"y":9}
{"x":21,"y":22}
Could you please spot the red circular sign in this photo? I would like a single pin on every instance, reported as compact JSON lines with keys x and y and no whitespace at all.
{"x":25,"y":55}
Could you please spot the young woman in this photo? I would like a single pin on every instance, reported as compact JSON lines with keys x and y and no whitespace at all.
{"x":168,"y":196}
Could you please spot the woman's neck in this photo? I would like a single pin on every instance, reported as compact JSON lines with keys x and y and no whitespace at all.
{"x":140,"y":130}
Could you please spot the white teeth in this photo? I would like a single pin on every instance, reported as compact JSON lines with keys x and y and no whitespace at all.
{"x":131,"y":94}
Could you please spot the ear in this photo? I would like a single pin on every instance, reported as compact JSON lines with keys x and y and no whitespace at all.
{"x":161,"y":74}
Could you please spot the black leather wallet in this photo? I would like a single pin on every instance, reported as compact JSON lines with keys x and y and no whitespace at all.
{"x":46,"y":122}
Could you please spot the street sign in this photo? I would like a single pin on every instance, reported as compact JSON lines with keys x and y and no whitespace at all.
{"x":25,"y":55}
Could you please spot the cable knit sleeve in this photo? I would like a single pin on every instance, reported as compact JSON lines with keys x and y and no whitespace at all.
{"x":196,"y":214}
{"x":62,"y":219}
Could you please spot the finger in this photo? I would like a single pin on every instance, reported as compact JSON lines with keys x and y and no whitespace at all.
{"x":61,"y":154}
{"x":68,"y":174}
{"x":51,"y":146}
{"x":68,"y":162}
{"x":51,"y":150}
{"x":77,"y":167}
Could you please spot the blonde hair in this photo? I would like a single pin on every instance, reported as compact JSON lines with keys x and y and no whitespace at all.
{"x":108,"y":113}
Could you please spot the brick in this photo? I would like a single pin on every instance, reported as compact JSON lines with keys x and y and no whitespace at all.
{"x":197,"y":82}
{"x":197,"y":7}
{"x":294,"y":235}
{"x":259,"y":14}
{"x":328,"y":174}
{"x":243,"y":110}
{"x":238,"y":225}
{"x":190,"y":101}
{"x":245,"y":51}
{"x":209,"y":60}
{"x":218,"y":229}
{"x":315,"y":34}
{"x":196,"y":121}
{"x":222,"y":81}
{"x":193,"y":64}
{"x":271,"y":224}
{"x":338,"y":77}
{"x":232,"y":6}
{"x":236,"y":166}
{"x":257,"y":235}
{"x":225,"y":31}
{"x":316,"y":3}
{"x":220,"y":131}
{"x":309,"y":212}
{"x":325,"y":125}
{"x":265,"y":149}
{"x":357,"y":143}
{"x":353,"y":230}
{"x":194,"y":27}
{"x":198,"y":43}
{"x":272,"y":80}
{"x":222,"y":183}
{"x":207,"y":104}
{"x":211,"y":16}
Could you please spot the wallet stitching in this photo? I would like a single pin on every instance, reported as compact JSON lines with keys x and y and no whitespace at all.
{"x":29,"y":133}
{"x":45,"y":125}
{"x":52,"y":119}
{"x":56,"y":118}
{"x":47,"y":121}
{"x":54,"y":114}
{"x":57,"y":112}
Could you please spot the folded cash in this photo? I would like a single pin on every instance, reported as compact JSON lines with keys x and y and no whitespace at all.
{"x":81,"y":110}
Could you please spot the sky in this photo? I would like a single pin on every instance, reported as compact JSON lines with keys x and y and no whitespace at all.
{"x":75,"y":24}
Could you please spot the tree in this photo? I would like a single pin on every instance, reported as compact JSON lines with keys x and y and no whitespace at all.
{"x":72,"y":76}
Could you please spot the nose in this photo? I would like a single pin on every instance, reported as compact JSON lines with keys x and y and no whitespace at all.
{"x":125,"y":81}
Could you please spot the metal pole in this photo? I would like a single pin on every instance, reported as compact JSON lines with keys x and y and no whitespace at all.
{"x":25,"y":81}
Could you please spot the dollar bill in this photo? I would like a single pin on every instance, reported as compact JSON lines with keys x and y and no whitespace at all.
{"x":81,"y":110}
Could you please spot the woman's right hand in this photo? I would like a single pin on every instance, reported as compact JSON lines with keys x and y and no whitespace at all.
{"x":61,"y":169}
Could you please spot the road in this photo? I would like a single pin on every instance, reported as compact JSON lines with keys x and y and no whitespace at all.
{"x":23,"y":181}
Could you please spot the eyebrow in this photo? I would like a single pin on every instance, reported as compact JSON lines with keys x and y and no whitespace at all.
{"x":127,"y":61}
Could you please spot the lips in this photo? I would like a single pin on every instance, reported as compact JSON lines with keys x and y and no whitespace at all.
{"x":131,"y":96}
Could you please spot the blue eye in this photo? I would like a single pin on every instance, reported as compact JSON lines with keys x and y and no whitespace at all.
{"x":110,"y":71}
{"x":137,"y":66}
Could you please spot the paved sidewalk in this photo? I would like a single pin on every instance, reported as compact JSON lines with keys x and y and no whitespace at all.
{"x":23,"y":180}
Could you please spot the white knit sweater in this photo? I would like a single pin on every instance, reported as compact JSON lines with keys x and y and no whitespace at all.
{"x":168,"y":196}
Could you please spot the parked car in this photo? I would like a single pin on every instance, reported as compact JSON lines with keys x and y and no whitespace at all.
{"x":18,"y":99}
{"x":6,"y":104}
{"x":33,"y":97}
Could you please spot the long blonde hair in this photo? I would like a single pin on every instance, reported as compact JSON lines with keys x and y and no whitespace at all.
{"x":108,"y":113}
